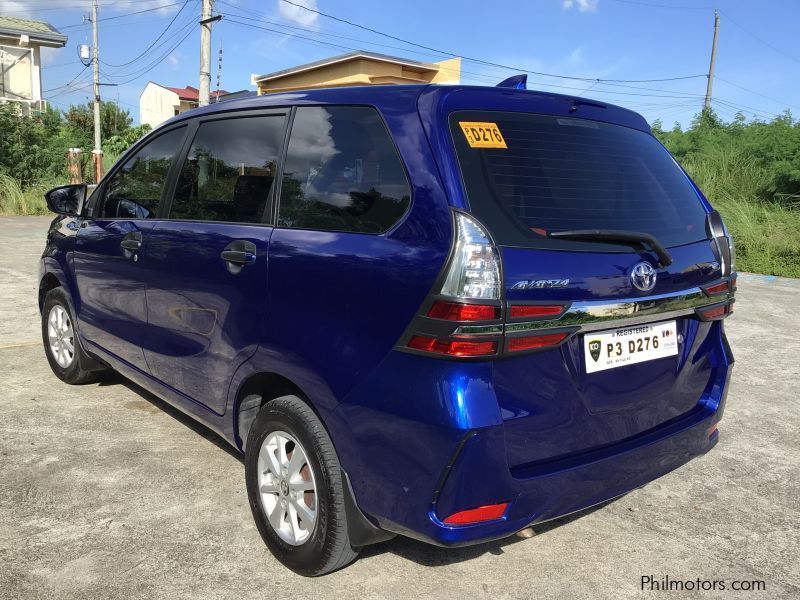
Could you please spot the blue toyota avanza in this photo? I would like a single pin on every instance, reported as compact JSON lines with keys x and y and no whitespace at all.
{"x":444,"y":312}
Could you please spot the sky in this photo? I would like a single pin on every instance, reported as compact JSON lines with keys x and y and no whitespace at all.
{"x":651,"y":56}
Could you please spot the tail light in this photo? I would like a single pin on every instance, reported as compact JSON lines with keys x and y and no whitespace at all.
{"x":535,"y":342}
{"x":464,"y":318}
{"x":455,"y":311}
{"x":715,"y":311}
{"x":535,"y":311}
{"x":474,"y":270}
{"x":453,"y":347}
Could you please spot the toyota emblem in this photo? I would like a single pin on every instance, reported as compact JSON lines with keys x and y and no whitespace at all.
{"x":643,"y":276}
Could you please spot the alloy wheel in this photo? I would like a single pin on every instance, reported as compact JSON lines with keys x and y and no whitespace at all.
{"x":60,"y":336}
{"x":287,"y":487}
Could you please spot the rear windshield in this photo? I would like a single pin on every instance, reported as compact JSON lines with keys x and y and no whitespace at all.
{"x":557,"y":174}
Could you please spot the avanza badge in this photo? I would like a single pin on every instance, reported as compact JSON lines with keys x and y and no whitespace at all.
{"x":482,"y":135}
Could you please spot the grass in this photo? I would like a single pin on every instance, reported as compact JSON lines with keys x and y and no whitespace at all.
{"x":766,"y":229}
{"x":16,"y":201}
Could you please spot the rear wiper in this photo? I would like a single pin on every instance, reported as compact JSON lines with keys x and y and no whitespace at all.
{"x":615,"y":236}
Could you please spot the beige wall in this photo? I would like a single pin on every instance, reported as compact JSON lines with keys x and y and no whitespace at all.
{"x":157,"y":104}
{"x":363,"y":71}
{"x":17,"y":66}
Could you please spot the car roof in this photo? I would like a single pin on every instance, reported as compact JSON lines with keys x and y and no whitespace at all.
{"x":397,"y":97}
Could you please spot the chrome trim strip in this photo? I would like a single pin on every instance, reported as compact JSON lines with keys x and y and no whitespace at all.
{"x":479,"y":330}
{"x":602,"y":314}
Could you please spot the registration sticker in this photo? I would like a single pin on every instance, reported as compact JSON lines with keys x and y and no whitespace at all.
{"x":629,"y":345}
{"x":482,"y":135}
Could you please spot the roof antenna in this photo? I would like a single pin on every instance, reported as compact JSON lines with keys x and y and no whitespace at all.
{"x":219,"y":72}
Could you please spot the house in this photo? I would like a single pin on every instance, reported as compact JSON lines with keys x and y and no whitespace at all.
{"x":358,"y":68}
{"x":21,"y":43}
{"x":157,"y":103}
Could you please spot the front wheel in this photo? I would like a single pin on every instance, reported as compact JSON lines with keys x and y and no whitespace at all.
{"x":61,"y":345}
{"x":294,"y":484}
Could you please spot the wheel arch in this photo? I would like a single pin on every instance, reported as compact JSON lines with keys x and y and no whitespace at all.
{"x":258,"y":390}
{"x":47,"y":283}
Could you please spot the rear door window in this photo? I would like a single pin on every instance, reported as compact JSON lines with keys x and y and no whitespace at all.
{"x":557,"y":174}
{"x":230,"y":170}
{"x":342,"y":172}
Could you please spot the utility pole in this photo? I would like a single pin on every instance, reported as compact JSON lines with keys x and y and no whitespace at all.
{"x":97,"y":153}
{"x":710,"y":83}
{"x":205,"y":53}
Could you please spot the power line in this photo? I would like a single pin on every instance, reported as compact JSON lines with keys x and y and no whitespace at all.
{"x":736,"y":85}
{"x":163,"y":32}
{"x":763,"y":41}
{"x":58,"y":87}
{"x":138,"y":12}
{"x":480,"y":61}
{"x":160,"y":58}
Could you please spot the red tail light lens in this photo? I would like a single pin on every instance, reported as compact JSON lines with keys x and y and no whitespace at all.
{"x":533,"y":342}
{"x":532,"y":311}
{"x":455,"y":311}
{"x":714,"y":312}
{"x":453,"y":347}
{"x":719,"y":288}
{"x":490,"y":512}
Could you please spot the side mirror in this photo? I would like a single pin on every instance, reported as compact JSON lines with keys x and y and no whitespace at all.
{"x":67,"y":199}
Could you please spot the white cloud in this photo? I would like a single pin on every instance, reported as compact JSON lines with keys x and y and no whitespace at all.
{"x":581,"y":5}
{"x":297,"y":14}
{"x":576,"y":56}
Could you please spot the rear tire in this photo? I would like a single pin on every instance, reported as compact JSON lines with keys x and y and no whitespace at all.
{"x":305,"y":499}
{"x":62,"y":347}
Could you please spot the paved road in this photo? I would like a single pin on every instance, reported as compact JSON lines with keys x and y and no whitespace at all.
{"x":106,"y":492}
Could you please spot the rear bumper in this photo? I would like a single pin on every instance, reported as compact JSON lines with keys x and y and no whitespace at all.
{"x":572,"y":484}
{"x":409,"y":482}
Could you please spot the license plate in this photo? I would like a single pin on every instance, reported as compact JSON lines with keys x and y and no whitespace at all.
{"x":629,"y":345}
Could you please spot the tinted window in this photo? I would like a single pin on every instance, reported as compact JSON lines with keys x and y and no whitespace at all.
{"x":342,"y":172}
{"x":558,"y":174}
{"x":230,"y":170}
{"x":134,"y":190}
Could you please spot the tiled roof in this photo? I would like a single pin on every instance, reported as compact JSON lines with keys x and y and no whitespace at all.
{"x":35,"y":29}
{"x":192,"y":93}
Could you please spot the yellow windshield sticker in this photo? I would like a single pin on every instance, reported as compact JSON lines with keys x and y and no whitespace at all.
{"x":482,"y":135}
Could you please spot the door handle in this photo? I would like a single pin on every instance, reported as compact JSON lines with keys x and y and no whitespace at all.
{"x":131,"y":244}
{"x":238,"y":254}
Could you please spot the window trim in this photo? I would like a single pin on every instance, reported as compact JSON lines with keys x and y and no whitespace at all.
{"x":409,"y":185}
{"x":267,"y":219}
{"x":99,"y":195}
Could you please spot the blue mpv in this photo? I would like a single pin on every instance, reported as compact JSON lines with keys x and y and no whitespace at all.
{"x":447,"y":313}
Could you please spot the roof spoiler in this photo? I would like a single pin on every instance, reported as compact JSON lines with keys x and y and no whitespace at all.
{"x":518,"y":82}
